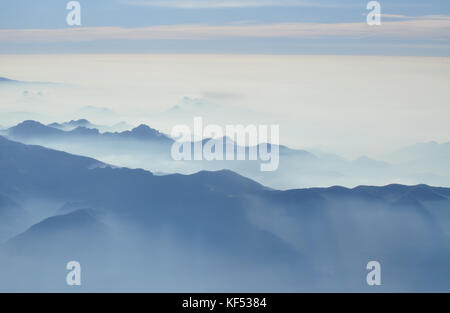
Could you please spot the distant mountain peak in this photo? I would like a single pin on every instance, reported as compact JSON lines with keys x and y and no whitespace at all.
{"x":81,"y":130}
{"x":72,"y":124}
{"x":143,"y":127}
{"x":7,"y":80}
{"x":144,"y":132}
{"x":32,"y":128}
{"x":30,"y":123}
{"x":82,"y":121}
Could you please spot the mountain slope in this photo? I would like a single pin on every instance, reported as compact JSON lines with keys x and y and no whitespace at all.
{"x":35,"y":130}
{"x":62,"y":233}
{"x":147,"y":148}
{"x":187,"y":232}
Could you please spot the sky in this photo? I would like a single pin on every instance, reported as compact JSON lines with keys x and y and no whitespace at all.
{"x":226,"y":26}
{"x":316,"y":68}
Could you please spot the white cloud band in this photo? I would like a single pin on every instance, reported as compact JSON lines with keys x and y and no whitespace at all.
{"x":224,"y":4}
{"x":426,"y":27}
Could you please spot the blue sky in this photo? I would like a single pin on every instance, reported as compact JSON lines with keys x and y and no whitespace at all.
{"x":405,"y":21}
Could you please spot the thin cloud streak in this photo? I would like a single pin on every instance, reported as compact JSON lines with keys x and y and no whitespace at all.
{"x":426,"y":27}
{"x":227,"y":4}
{"x":397,"y":16}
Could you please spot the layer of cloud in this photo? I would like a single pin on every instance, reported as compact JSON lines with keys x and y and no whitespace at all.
{"x":425,"y":27}
{"x":223,"y":4}
{"x":397,"y":16}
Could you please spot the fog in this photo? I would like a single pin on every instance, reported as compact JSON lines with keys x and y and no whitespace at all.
{"x":296,"y":168}
{"x":320,"y":245}
{"x":351,"y":105}
{"x":137,"y":220}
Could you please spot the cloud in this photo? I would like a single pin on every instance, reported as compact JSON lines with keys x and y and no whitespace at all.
{"x":225,"y":4}
{"x":397,"y":16}
{"x":425,"y":27}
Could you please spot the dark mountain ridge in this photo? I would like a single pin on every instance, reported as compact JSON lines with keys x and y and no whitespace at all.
{"x":227,"y":219}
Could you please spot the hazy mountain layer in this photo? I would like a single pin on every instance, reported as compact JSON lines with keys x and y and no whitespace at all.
{"x":212,"y":231}
{"x":147,"y":148}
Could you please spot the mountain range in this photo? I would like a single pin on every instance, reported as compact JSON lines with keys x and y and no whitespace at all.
{"x":210,"y":231}
{"x":8,"y":81}
{"x":4,"y":80}
{"x":147,"y":148}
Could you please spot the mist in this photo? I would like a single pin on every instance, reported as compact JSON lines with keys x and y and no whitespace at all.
{"x":402,"y":100}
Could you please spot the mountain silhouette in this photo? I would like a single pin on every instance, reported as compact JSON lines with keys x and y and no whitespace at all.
{"x":72,"y":124}
{"x":142,"y":132}
{"x":80,"y":228}
{"x":4,"y":80}
{"x":33,"y":130}
{"x":134,"y":225}
{"x":147,"y":148}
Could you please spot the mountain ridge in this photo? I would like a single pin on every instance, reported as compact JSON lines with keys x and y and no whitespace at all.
{"x":218,"y":218}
